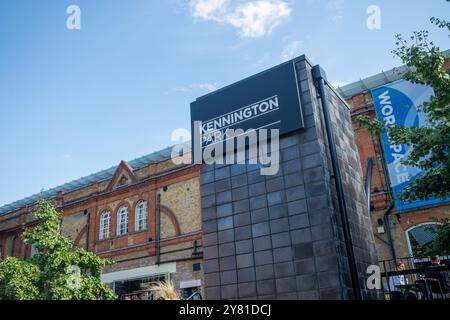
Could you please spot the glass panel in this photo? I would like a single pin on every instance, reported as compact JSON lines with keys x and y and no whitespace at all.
{"x":189,"y":293}
{"x":137,"y":289}
{"x":122,"y":224}
{"x":105,"y":223}
{"x":141,"y":216}
{"x":421,"y":239}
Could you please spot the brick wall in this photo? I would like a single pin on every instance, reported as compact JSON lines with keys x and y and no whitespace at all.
{"x":183,"y":199}
{"x":399,"y":225}
{"x":180,"y":253}
{"x":74,"y":224}
{"x":180,"y":218}
{"x":362,"y":104}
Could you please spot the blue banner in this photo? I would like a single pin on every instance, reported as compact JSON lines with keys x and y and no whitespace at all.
{"x":396,"y":104}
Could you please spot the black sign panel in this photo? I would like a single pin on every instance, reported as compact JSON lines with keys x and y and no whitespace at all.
{"x":268,"y":100}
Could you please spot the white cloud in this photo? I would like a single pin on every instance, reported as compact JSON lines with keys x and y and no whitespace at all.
{"x":180,"y":89}
{"x":336,"y":9}
{"x":258,"y":18}
{"x":252,"y":19}
{"x":207,"y":9}
{"x":205,"y":86}
{"x":208,"y":87}
{"x":291,"y":50}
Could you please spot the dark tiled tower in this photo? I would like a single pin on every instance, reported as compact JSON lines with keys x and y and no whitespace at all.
{"x":280,"y":236}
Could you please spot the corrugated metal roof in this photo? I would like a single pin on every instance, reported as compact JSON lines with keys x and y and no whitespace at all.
{"x":136,"y":164}
{"x":372,"y":82}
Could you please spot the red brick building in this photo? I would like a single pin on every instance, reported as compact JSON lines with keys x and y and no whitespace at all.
{"x":114,"y":213}
{"x":395,"y":232}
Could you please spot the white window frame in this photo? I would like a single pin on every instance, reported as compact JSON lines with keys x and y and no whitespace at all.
{"x":122,"y":221}
{"x":141,"y":216}
{"x":105,"y":225}
{"x":408,"y":240}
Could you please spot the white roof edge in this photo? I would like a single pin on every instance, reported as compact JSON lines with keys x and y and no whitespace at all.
{"x":371,"y":82}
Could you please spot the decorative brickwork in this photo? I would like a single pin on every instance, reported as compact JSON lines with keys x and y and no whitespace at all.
{"x":180,"y":218}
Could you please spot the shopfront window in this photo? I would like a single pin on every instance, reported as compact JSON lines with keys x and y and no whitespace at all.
{"x":190,"y":289}
{"x":192,"y":293}
{"x":137,"y":289}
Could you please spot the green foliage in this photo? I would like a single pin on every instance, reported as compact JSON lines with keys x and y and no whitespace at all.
{"x":19,"y":278}
{"x":57,"y":271}
{"x":441,"y":243}
{"x":430,"y":144}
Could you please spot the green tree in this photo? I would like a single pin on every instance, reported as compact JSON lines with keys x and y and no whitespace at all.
{"x":430,"y":144}
{"x":441,"y":242}
{"x":57,"y":271}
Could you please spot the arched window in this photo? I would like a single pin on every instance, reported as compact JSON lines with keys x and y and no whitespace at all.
{"x":140,"y":216}
{"x":105,"y":225}
{"x":13,"y":246}
{"x":33,"y":250}
{"x":420,"y":238}
{"x":122,"y":220}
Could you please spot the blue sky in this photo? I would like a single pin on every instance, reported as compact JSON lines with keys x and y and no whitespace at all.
{"x":73,"y":102}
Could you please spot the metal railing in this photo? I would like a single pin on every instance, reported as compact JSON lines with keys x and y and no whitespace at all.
{"x":419,"y":279}
{"x":410,"y":263}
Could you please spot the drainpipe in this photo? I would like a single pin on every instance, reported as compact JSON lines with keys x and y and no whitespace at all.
{"x":88,"y":222}
{"x":158,"y":229}
{"x":370,"y":163}
{"x":320,"y":77}
{"x":388,"y":227}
